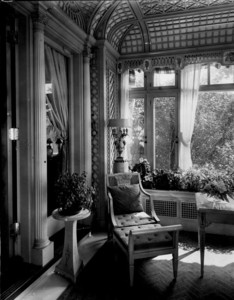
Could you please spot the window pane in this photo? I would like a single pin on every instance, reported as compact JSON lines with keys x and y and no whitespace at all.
{"x":204,"y":75}
{"x":221,"y":74}
{"x":137,"y":133}
{"x":213,"y":136}
{"x":165,"y":132}
{"x":136,"y":78}
{"x":164,"y":78}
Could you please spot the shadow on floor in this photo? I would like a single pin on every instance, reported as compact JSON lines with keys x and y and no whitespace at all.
{"x":103,"y":278}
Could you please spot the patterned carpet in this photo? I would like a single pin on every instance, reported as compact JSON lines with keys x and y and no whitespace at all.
{"x":104,"y":279}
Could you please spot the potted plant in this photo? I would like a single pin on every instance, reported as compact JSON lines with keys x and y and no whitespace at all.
{"x":217,"y":184}
{"x":143,"y":167}
{"x":73,"y":193}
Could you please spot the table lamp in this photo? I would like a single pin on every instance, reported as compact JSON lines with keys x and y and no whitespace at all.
{"x":119,"y":133}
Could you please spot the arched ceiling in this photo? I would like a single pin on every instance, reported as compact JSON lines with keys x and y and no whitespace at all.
{"x":150,"y":26}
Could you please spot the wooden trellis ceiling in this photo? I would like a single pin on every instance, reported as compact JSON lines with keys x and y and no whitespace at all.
{"x":144,"y":26}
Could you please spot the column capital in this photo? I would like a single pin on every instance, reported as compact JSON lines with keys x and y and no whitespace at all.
{"x":87,"y":52}
{"x":39,"y":18}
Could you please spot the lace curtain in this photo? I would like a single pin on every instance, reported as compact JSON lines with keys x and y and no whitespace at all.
{"x":57,"y":102}
{"x":190,"y":80}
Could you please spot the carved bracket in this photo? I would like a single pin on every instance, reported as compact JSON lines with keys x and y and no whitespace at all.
{"x":176,"y":62}
{"x":228,"y":57}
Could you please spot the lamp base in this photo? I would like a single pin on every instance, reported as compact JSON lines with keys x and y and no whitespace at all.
{"x":120,"y":165}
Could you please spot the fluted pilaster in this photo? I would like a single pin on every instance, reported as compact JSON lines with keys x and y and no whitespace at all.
{"x":41,"y":240}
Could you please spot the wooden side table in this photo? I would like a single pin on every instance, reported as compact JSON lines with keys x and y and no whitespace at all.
{"x":71,"y":262}
{"x":207,"y":214}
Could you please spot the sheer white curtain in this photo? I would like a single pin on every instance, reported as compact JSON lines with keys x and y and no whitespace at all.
{"x":58,"y":114}
{"x":124,"y":104}
{"x":190,"y":80}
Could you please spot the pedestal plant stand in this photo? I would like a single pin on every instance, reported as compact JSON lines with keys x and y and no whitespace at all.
{"x":71,"y":263}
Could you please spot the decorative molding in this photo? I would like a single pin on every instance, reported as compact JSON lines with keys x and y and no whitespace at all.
{"x":39,"y":17}
{"x":95,"y":122}
{"x":87,"y":51}
{"x":176,"y":62}
{"x":111,"y":60}
{"x":112,"y":103}
{"x":74,"y":12}
{"x":147,"y":65}
{"x":228,"y":57}
{"x":112,"y":112}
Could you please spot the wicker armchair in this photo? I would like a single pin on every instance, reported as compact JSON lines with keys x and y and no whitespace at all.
{"x":134,"y":225}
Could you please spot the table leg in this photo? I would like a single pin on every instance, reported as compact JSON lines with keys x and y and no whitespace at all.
{"x":201,"y":237}
{"x":70,"y":263}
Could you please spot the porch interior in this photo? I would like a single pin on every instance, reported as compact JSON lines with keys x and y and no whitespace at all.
{"x":105,"y":278}
{"x":119,"y":35}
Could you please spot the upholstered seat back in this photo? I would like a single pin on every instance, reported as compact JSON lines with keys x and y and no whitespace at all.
{"x":126,"y":193}
{"x":122,"y":179}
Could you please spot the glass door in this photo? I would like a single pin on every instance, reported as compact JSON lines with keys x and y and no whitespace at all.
{"x":162,"y":132}
{"x":9,"y":234}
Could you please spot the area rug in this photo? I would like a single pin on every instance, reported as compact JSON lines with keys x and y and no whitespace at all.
{"x":106,"y":279}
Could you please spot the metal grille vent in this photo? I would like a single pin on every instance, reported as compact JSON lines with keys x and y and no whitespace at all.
{"x":165,"y":208}
{"x":188,"y":210}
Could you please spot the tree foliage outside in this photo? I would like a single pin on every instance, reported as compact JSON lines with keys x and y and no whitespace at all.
{"x":165,"y":133}
{"x":213,"y":136}
{"x":136,"y":144}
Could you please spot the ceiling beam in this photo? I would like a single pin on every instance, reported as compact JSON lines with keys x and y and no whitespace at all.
{"x":142,"y":25}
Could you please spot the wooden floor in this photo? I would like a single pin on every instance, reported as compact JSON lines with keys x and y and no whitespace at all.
{"x":104,"y":279}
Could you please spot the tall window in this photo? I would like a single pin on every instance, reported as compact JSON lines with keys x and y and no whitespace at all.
{"x":213,"y":136}
{"x":155,"y":122}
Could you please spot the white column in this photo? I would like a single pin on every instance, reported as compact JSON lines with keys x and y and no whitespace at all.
{"x":43,"y":248}
{"x":87,"y":117}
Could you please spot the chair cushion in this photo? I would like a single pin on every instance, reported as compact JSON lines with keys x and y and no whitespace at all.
{"x":126,"y":198}
{"x":148,"y":240}
{"x":140,"y":218}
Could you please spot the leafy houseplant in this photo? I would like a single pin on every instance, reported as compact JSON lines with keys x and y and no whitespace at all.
{"x":208,"y":180}
{"x":143,"y":167}
{"x":73,"y":193}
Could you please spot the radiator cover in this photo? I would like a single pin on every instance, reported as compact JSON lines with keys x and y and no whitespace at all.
{"x":179,"y":207}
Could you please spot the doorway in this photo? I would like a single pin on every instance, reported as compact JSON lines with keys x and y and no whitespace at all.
{"x":9,"y":153}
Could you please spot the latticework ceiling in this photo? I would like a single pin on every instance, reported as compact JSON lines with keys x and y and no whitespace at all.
{"x":145,"y":26}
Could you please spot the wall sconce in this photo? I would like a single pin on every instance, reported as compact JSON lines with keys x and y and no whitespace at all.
{"x":119,"y":133}
{"x":13,"y":134}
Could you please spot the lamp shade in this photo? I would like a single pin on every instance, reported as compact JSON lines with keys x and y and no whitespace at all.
{"x":122,"y":123}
